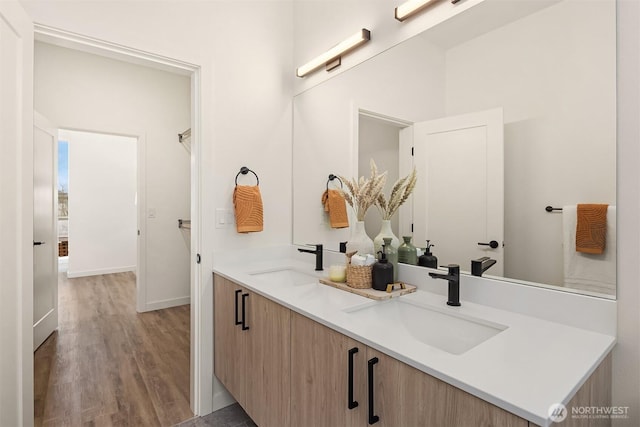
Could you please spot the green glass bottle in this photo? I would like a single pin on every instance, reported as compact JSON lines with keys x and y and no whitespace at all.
{"x":407,"y":252}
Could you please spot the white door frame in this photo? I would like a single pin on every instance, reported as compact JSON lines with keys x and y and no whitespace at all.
{"x":16,"y":191}
{"x":104,"y":48}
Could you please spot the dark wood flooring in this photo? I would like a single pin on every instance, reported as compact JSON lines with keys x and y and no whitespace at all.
{"x":108,"y":365}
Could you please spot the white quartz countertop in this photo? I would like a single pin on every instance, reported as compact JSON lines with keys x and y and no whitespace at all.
{"x":524,"y":369}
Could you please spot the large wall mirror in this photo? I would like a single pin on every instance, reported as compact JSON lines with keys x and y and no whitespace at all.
{"x":520,"y":99}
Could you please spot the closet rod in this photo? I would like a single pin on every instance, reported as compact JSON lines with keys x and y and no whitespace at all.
{"x":184,"y":135}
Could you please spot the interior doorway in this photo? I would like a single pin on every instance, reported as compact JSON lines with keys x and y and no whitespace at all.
{"x":101,"y":202}
{"x":153,"y":216}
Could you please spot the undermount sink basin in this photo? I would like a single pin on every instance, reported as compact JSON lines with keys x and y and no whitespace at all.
{"x":451,"y":332}
{"x":286,"y":277}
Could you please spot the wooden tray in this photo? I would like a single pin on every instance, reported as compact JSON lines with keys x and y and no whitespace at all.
{"x":372,"y":293}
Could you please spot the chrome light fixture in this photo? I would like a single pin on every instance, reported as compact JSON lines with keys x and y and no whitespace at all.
{"x":332,"y":58}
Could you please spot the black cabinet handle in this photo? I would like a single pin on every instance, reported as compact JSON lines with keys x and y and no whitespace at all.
{"x":38,"y":243}
{"x":351,"y":403}
{"x":492,"y":244}
{"x":372,"y":418}
{"x":244,"y":319}
{"x":238,"y":292}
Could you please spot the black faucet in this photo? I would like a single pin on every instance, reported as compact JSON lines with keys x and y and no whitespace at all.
{"x":317,"y":252}
{"x":453,"y":277}
{"x":480,"y":265}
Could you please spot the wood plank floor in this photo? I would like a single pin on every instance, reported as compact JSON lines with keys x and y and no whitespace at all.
{"x":108,"y":365}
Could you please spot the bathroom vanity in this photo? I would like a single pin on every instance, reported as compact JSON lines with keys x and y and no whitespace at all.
{"x":294,"y":352}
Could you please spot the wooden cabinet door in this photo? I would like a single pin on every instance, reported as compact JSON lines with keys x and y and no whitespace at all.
{"x":318,"y":374}
{"x":269,"y":362}
{"x":230,"y":341}
{"x":405,"y":396}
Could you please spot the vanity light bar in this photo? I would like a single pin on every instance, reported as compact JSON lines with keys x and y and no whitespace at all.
{"x":335,"y":52}
{"x":411,"y":7}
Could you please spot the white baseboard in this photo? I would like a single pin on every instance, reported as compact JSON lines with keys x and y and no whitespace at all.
{"x":166,"y":303}
{"x":84,"y":273}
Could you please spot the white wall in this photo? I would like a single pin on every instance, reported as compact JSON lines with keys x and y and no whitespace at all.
{"x":78,"y":90}
{"x":244,"y":51}
{"x":506,"y":68}
{"x":102,"y":210}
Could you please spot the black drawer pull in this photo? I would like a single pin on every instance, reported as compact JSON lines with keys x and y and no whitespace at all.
{"x":244,"y":319}
{"x":238,"y":292}
{"x":351,"y":403}
{"x":372,"y":418}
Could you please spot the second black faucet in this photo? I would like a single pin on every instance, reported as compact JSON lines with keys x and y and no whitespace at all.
{"x":453,"y":277}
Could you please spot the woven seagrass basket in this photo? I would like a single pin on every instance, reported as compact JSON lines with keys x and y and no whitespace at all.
{"x":358,"y":276}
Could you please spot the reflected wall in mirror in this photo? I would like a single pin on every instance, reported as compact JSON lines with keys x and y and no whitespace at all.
{"x":549,"y":67}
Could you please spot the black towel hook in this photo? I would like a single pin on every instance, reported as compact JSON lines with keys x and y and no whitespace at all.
{"x":331,"y":178}
{"x":245,"y":170}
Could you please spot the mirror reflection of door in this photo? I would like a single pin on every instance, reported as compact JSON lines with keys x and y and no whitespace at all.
{"x":464,"y":207}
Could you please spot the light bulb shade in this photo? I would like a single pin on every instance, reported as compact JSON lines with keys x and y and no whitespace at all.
{"x":407,"y":9}
{"x":335,"y":52}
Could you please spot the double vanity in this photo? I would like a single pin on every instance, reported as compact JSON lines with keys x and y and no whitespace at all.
{"x":295,"y":352}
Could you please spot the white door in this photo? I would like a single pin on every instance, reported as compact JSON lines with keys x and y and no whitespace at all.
{"x":45,"y":233}
{"x":459,"y":196}
{"x":16,"y":213}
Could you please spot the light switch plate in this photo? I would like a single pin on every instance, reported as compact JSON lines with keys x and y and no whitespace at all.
{"x":224,"y":218}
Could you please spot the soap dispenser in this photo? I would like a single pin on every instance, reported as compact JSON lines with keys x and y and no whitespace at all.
{"x":392,"y":256}
{"x":382,"y":273}
{"x":428,"y":259}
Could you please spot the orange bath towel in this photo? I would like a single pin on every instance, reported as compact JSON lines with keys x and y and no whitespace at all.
{"x":591,"y":229}
{"x":335,"y":205}
{"x":248,"y":207}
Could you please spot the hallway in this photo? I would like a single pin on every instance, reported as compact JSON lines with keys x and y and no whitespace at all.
{"x":108,"y":365}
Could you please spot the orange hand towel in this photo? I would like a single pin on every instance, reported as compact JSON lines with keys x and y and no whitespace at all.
{"x":248,"y":207}
{"x":591,"y":229}
{"x":335,"y":205}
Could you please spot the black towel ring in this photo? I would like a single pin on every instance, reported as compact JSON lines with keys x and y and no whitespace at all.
{"x":552,"y":209}
{"x":245,"y":170}
{"x":331,"y":178}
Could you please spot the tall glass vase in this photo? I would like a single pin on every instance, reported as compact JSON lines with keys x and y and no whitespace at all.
{"x":385,"y":231}
{"x":359,"y":241}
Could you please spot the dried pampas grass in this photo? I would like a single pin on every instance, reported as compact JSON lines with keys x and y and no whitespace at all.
{"x":364,"y":192}
{"x":400,"y":192}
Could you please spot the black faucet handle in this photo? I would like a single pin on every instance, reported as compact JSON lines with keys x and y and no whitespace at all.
{"x":452,"y":268}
